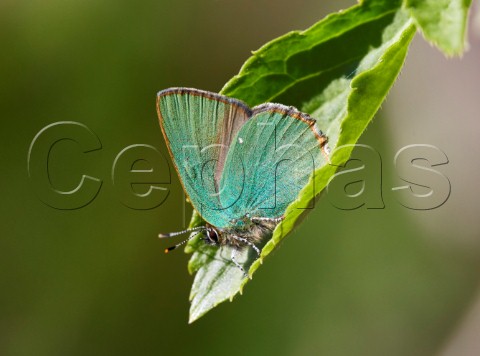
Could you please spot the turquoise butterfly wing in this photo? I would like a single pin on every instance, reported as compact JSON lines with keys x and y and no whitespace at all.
{"x":234,"y":161}
{"x":272,"y":158}
{"x":198,"y":127}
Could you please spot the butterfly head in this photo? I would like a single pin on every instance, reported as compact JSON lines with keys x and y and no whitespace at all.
{"x":212,"y":236}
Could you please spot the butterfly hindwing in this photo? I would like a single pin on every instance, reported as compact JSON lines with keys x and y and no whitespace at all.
{"x":270,"y":161}
{"x":198,"y":127}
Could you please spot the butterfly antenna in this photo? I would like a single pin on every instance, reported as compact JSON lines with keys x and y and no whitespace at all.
{"x":167,"y":250}
{"x":171,"y":234}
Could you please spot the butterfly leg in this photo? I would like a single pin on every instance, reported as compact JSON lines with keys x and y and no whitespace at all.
{"x":274,"y":220}
{"x":245,"y":241}
{"x":234,"y":252}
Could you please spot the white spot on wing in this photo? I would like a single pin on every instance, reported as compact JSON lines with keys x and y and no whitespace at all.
{"x":327,"y":149}
{"x":240,"y":140}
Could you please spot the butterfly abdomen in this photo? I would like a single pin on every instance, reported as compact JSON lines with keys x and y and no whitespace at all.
{"x":252,"y":232}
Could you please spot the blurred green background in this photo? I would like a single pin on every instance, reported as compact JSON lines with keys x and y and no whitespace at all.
{"x":95,"y":281}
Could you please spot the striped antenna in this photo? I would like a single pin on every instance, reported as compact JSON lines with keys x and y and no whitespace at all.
{"x":167,"y":250}
{"x":198,"y":228}
{"x":171,"y":234}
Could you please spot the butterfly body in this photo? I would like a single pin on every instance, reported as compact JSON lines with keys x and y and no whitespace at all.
{"x":241,"y":234}
{"x":240,"y":167}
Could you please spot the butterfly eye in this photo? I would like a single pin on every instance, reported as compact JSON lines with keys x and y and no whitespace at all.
{"x":212,"y":236}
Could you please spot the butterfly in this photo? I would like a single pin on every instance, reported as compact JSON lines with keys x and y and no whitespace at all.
{"x":240,"y":167}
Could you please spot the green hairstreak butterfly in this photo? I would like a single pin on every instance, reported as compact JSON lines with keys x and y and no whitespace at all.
{"x":240,"y":167}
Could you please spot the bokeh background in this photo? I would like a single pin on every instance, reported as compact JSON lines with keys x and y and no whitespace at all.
{"x":95,"y":281}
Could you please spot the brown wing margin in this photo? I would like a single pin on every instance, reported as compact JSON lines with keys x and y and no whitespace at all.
{"x":291,"y":111}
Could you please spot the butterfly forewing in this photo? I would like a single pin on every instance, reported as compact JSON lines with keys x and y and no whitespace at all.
{"x":198,"y":127}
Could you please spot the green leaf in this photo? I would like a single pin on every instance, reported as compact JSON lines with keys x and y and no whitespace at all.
{"x":442,"y":22}
{"x":339,"y":71}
